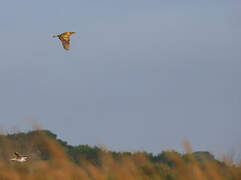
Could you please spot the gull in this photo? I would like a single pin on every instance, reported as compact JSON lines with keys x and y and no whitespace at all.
{"x":65,"y":39}
{"x":19,"y":158}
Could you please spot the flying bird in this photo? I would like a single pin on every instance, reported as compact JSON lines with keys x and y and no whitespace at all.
{"x":65,"y":39}
{"x":19,"y":158}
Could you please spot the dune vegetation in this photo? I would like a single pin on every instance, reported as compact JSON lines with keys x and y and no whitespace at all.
{"x":52,"y":158}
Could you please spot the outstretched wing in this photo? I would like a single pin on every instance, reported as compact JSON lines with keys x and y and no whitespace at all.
{"x":67,"y":34}
{"x":17,"y":155}
{"x":65,"y":42}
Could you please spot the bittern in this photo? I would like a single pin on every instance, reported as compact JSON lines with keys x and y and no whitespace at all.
{"x":65,"y":39}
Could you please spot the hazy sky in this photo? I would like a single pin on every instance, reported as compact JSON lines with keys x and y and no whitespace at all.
{"x":140,"y":75}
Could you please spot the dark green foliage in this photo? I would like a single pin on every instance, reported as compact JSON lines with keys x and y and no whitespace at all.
{"x":203,"y":156}
{"x":165,"y":157}
{"x":85,"y":152}
{"x":118,"y":155}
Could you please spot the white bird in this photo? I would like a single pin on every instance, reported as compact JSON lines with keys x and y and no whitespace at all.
{"x":19,"y":158}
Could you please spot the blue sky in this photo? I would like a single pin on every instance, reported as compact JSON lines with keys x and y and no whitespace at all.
{"x":140,"y":75}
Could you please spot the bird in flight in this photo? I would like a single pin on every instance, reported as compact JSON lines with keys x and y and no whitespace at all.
{"x":65,"y":39}
{"x":19,"y":158}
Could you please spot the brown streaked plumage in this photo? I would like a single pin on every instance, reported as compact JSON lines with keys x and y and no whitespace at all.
{"x":65,"y":39}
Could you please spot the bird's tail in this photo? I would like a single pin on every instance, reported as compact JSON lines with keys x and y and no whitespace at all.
{"x":54,"y":36}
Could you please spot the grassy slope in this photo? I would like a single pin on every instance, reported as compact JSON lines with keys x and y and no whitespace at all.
{"x":52,"y":158}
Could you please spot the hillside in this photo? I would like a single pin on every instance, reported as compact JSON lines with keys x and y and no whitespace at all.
{"x":53,"y":157}
{"x":27,"y":143}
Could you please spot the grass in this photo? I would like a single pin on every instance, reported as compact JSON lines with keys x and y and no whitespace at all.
{"x":135,"y":167}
